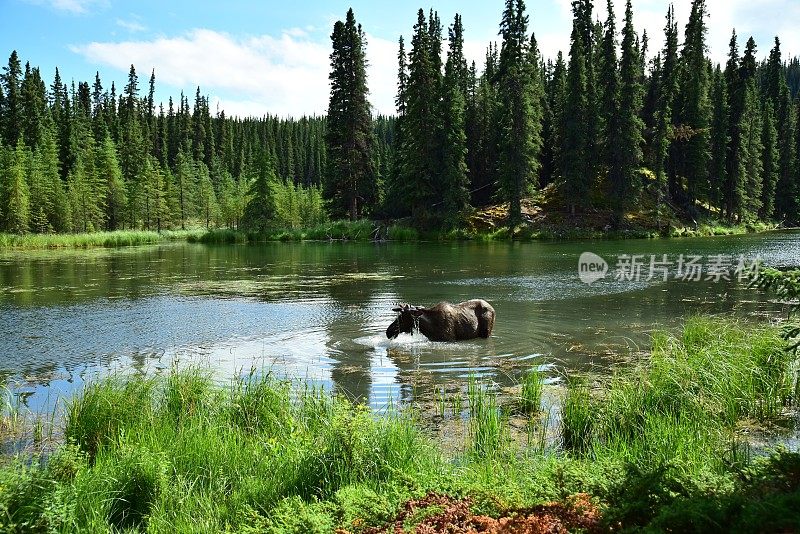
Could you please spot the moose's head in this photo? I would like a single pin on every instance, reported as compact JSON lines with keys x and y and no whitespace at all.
{"x":407,"y":317}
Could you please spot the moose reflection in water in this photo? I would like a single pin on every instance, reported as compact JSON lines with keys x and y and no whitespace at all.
{"x":445,"y":321}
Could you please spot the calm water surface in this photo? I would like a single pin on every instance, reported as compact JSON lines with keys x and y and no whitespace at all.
{"x":319,"y":310}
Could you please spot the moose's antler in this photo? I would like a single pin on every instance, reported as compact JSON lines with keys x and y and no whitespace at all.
{"x":403,"y":306}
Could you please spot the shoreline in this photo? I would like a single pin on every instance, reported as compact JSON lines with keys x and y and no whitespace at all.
{"x":359,"y":231}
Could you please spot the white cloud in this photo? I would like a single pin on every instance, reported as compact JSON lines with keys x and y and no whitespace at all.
{"x":132,"y":25}
{"x":382,"y":74}
{"x":296,"y":32}
{"x":77,"y":7}
{"x":283,"y":75}
{"x":287,"y":74}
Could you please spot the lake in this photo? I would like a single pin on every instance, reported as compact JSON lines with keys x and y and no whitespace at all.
{"x":319,"y":311}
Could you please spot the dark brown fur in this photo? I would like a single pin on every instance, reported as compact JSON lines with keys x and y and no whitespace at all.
{"x":445,"y":321}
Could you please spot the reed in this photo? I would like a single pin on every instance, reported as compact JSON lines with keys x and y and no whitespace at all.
{"x":119,"y":238}
{"x":578,"y":417}
{"x":487,"y":425}
{"x":531,"y":392}
{"x":402,"y":233}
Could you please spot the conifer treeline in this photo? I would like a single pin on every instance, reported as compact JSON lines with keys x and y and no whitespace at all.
{"x":76,"y":158}
{"x":603,"y":124}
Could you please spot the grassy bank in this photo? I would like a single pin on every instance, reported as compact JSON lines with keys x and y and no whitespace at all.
{"x":659,"y":447}
{"x":362,"y":230}
{"x":370,"y":231}
{"x":120,"y":238}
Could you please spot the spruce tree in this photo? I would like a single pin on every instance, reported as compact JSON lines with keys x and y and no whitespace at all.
{"x":770,"y":160}
{"x":79,"y":193}
{"x":651,"y":84}
{"x":40,"y":203}
{"x":664,"y":114}
{"x":749,"y":182}
{"x":33,"y":100}
{"x":483,"y":174}
{"x":207,"y":198}
{"x":520,"y":121}
{"x":720,"y":141}
{"x":199,"y":132}
{"x":16,"y":208}
{"x":734,"y":88}
{"x":132,"y":149}
{"x":590,"y":34}
{"x":609,"y":92}
{"x":575,"y":148}
{"x":109,"y":173}
{"x":184,"y":181}
{"x":557,"y":96}
{"x":395,"y":196}
{"x":349,"y":136}
{"x":627,"y":147}
{"x":455,"y":183}
{"x":696,"y":109}
{"x":12,"y":106}
{"x":98,"y":98}
{"x":39,"y":200}
{"x":259,"y":209}
{"x":159,"y":205}
{"x":421,"y":125}
{"x":59,"y":215}
{"x":787,"y":206}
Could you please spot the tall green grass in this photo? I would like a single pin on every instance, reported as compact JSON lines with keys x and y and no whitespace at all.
{"x":656,"y":446}
{"x":531,"y":392}
{"x":578,"y":417}
{"x":717,"y":228}
{"x":488,"y":428}
{"x":400,"y":233}
{"x":362,"y":230}
{"x":687,"y":398}
{"x":120,"y":238}
{"x":156,"y":452}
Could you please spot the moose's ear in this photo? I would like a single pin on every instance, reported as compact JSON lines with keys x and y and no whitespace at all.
{"x":396,"y":309}
{"x":417,"y":312}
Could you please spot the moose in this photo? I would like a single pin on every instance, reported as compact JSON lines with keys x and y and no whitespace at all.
{"x":445,"y":321}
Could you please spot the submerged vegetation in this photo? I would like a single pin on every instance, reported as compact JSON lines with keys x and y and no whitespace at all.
{"x":659,"y":447}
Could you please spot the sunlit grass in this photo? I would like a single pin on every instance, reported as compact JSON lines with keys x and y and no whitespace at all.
{"x":362,"y":230}
{"x":488,"y":429}
{"x":531,"y":392}
{"x":120,"y":238}
{"x":657,"y":446}
{"x":687,"y":398}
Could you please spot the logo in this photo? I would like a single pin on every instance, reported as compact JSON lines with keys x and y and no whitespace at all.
{"x":591,"y":268}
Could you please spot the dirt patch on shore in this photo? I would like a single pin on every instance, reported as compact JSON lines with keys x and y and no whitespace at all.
{"x":549,"y":214}
{"x":440,"y":513}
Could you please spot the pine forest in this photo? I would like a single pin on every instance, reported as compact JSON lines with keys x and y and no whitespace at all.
{"x":618,"y":117}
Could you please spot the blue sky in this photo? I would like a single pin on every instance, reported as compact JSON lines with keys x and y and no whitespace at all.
{"x":254,"y":57}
